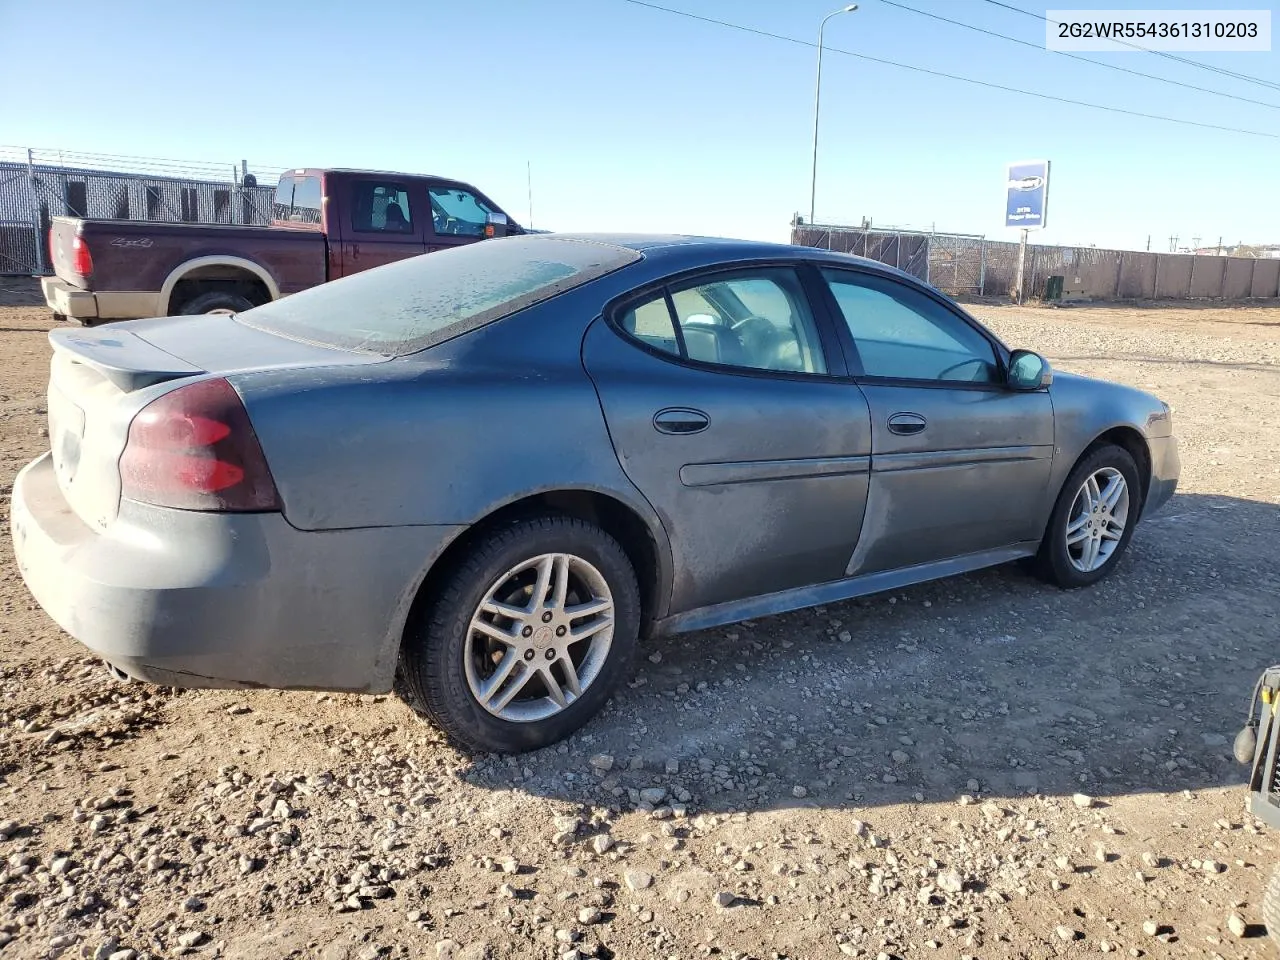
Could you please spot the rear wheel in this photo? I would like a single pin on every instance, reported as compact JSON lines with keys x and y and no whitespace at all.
{"x":1093,"y":520}
{"x":527,"y":637}
{"x":215,"y":301}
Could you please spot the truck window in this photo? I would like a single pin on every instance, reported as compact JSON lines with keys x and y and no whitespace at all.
{"x":457,"y":212}
{"x":380,"y":207}
{"x":297,"y":199}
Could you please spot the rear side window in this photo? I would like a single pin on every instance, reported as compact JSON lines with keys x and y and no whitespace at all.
{"x":412,"y":304}
{"x":380,"y":207}
{"x":758,"y":319}
{"x":297,"y":200}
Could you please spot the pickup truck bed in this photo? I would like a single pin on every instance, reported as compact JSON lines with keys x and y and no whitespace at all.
{"x":142,"y":269}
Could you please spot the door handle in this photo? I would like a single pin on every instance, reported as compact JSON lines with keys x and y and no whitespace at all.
{"x":680,"y":420}
{"x":905,"y":424}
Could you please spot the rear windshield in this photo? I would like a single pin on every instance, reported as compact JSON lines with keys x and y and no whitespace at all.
{"x":406,"y":306}
{"x":297,"y":199}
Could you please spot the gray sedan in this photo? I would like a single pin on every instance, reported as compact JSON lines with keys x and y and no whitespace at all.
{"x":491,"y":470}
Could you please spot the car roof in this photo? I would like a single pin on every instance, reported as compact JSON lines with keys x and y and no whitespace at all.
{"x":691,"y":250}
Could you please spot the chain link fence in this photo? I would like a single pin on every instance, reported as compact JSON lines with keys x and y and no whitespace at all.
{"x":906,"y":251}
{"x":37,"y":185}
{"x":962,"y":264}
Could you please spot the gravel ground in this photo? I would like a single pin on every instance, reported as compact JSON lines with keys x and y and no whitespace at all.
{"x":982,"y":767}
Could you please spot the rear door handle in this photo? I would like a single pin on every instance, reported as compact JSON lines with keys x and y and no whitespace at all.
{"x":680,"y":420}
{"x":905,"y":424}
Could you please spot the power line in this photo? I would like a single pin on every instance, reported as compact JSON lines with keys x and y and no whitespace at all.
{"x":950,"y":76}
{"x":1074,"y":56}
{"x":1271,"y":84}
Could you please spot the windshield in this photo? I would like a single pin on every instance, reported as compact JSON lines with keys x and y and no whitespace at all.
{"x":407,"y":306}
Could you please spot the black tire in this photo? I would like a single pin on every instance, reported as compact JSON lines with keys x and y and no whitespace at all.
{"x":1271,"y":906}
{"x":432,"y":656}
{"x":215,"y":301}
{"x":1053,"y":562}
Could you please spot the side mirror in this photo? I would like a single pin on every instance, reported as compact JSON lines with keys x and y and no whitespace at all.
{"x":495,"y":225}
{"x":1028,"y":371}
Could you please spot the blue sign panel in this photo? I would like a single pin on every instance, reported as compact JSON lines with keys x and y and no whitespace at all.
{"x":1026,"y":194}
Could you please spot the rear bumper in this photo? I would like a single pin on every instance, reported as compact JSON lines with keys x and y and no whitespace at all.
{"x":191,"y":599}
{"x":1166,"y":466}
{"x":71,"y":301}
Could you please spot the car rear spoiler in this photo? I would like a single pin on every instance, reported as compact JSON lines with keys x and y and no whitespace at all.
{"x":124,"y":358}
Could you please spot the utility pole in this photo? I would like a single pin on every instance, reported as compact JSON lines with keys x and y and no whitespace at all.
{"x":1219,"y":246}
{"x":1148,"y":243}
{"x":817,"y":99}
{"x":1173,"y":243}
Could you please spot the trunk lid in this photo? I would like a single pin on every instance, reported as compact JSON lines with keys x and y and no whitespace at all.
{"x":99,"y":379}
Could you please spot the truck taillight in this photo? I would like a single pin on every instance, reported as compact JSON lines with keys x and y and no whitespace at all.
{"x":195,"y":449}
{"x":81,"y":258}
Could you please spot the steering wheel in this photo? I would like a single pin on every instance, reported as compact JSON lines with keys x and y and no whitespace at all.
{"x":760,"y":338}
{"x":956,"y":366}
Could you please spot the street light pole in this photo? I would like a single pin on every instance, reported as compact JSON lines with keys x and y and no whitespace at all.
{"x":817,"y":99}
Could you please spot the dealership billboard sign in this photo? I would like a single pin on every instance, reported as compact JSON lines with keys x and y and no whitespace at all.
{"x":1026,"y":194}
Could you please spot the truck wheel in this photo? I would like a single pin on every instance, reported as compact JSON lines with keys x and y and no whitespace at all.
{"x":1271,"y":906}
{"x":216,"y":301}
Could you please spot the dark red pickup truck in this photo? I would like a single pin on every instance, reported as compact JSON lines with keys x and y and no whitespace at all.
{"x":326,"y":224}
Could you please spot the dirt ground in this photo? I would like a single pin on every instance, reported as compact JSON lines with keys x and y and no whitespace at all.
{"x":889,"y":777}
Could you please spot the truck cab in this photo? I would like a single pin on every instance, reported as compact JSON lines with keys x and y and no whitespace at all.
{"x":371,"y":218}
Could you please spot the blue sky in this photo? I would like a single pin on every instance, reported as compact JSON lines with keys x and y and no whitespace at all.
{"x":635,"y":119}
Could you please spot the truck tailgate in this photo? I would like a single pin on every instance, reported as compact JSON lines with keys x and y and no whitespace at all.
{"x":62,"y":235}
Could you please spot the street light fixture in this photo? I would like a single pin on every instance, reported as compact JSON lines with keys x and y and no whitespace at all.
{"x":817,"y":96}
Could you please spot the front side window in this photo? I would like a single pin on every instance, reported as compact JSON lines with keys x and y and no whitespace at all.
{"x":903,"y":334}
{"x":380,"y":207}
{"x":457,"y":212}
{"x":757,"y":319}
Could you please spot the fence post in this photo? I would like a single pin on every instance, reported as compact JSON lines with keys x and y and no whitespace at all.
{"x":41,"y":266}
{"x":928,"y":257}
{"x":1119,"y":273}
{"x":1022,"y":261}
{"x":982,"y":267}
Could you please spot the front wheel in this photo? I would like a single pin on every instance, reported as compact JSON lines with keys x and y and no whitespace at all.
{"x":527,"y":637}
{"x":1093,"y":520}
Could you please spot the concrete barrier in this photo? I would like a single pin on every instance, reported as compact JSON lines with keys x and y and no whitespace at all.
{"x":1206,"y":277}
{"x":1137,"y":276}
{"x":1238,"y":278}
{"x":1266,"y":278}
{"x":1173,"y":276}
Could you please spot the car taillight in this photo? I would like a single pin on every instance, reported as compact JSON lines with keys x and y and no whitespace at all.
{"x":194,"y":449}
{"x":81,"y":258}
